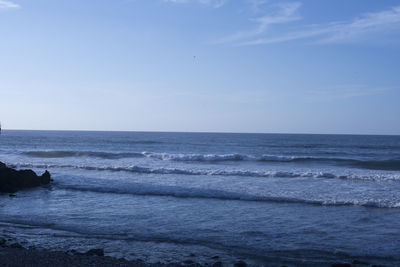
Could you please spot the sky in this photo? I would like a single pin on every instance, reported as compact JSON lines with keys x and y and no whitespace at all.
{"x":265,"y":66}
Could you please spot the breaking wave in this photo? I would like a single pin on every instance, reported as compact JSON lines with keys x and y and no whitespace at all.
{"x":388,"y":164}
{"x":216,"y":172}
{"x":67,"y":154}
{"x":184,"y":192}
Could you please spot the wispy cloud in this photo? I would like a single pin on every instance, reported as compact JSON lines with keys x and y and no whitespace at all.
{"x":345,"y":92}
{"x":363,"y":28}
{"x":213,"y":3}
{"x":379,"y":22}
{"x":256,"y":5}
{"x":278,"y":14}
{"x":8,"y":4}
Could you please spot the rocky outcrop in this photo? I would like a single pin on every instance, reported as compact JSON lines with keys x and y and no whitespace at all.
{"x":12,"y":180}
{"x":95,"y":252}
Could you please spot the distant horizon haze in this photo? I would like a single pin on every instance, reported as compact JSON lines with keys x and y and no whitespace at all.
{"x":199,"y":132}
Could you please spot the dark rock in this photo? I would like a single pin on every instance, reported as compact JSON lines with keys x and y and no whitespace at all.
{"x":215,"y":257}
{"x":360,"y":262}
{"x":45,"y":178}
{"x":240,"y":264}
{"x":192,"y":255}
{"x":2,"y":241}
{"x":217,"y":264}
{"x":71,"y":252}
{"x":341,"y":265}
{"x":15,"y":245}
{"x":188,"y":262}
{"x":2,"y":165}
{"x":12,"y":180}
{"x":95,"y":251}
{"x":12,"y":195}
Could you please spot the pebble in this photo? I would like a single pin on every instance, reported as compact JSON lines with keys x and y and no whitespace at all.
{"x":240,"y":264}
{"x":15,"y":245}
{"x":360,"y":262}
{"x":95,"y":251}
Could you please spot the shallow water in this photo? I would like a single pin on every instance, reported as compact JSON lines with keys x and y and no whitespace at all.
{"x":162,"y":196}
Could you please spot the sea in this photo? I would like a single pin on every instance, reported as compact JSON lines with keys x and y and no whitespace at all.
{"x":266,"y":199}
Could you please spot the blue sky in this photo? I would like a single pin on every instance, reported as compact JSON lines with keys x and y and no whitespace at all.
{"x":308,"y":66}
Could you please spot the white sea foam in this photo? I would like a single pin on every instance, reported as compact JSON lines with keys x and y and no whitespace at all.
{"x":196,"y":157}
{"x":165,"y":156}
{"x":218,"y":172}
{"x":386,"y":164}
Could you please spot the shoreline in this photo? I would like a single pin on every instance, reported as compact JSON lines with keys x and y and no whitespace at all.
{"x":14,"y":254}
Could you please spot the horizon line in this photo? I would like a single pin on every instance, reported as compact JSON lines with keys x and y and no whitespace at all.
{"x":199,"y":132}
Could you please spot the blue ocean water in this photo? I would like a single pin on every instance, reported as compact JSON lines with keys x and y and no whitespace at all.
{"x":263,"y":198}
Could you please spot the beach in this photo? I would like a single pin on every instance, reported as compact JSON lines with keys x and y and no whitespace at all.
{"x":33,"y":257}
{"x":13,"y":254}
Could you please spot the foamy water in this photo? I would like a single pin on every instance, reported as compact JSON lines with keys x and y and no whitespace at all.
{"x":162,"y":196}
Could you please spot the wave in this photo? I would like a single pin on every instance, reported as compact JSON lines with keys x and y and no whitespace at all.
{"x":217,"y":172}
{"x":184,"y":192}
{"x":389,"y":164}
{"x":197,"y":157}
{"x":142,"y":142}
{"x":160,"y":156}
{"x":223,"y":157}
{"x":67,"y":154}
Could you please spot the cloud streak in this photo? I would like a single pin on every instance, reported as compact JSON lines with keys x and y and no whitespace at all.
{"x":363,"y":28}
{"x":280,"y":14}
{"x":345,"y":92}
{"x":379,"y":22}
{"x":213,"y":3}
{"x":8,"y":5}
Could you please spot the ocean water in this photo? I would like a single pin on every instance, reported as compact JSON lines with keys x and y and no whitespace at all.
{"x":263,"y":198}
